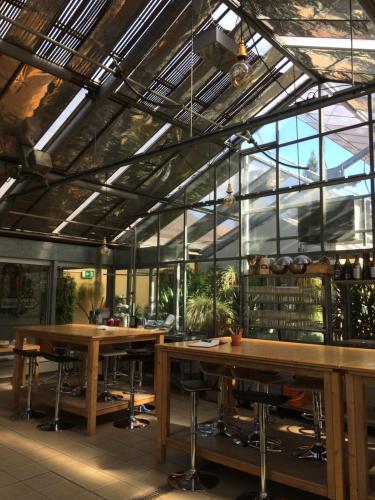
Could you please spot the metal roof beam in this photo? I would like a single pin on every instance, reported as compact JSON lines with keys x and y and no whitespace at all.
{"x":252,"y":124}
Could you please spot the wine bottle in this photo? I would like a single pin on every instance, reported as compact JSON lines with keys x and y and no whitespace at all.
{"x":357,"y":271}
{"x":337,"y":269}
{"x":366,"y":267}
{"x":372,"y":269}
{"x":347,"y":270}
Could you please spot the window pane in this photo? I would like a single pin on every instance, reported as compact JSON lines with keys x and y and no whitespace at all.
{"x":304,"y":154}
{"x":347,"y":213}
{"x":300,"y":222}
{"x":345,"y":114}
{"x":172,"y":235}
{"x":299,"y":127}
{"x":347,"y":153}
{"x":258,"y":172}
{"x":259,"y":226}
{"x":200,"y":232}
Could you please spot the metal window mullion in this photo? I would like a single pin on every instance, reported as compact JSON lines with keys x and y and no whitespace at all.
{"x":372,"y":167}
{"x":321,"y":178}
{"x":278,"y":246}
{"x":214,"y":251}
{"x":158,"y":266}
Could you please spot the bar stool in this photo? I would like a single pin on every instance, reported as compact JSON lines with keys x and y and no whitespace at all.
{"x":218,"y":426}
{"x":192,"y":479}
{"x":262,"y":380}
{"x":142,"y":408}
{"x":317,"y":451}
{"x":263,"y":400}
{"x":29,"y":413}
{"x":132,"y":422}
{"x":105,"y":357}
{"x":60,"y":357}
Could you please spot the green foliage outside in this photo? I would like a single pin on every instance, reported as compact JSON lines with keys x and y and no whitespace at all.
{"x":66,"y":295}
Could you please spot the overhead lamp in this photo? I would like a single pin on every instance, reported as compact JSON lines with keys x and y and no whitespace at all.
{"x":104,"y":249}
{"x":241,"y":73}
{"x":229,"y":199}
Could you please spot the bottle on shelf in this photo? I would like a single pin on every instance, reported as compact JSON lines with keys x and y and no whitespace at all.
{"x":372,"y":269}
{"x":357,"y":270}
{"x":337,"y":268}
{"x":347,"y":270}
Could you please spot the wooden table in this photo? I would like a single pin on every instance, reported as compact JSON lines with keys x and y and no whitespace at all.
{"x":90,"y":338}
{"x":310,"y":360}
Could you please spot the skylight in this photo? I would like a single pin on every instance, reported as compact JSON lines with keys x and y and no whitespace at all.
{"x":9,"y":9}
{"x":326,"y":43}
{"x":61,"y":120}
{"x":6,"y":186}
{"x":113,"y":177}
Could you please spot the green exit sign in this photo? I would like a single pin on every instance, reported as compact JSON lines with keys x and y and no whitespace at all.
{"x":88,"y":274}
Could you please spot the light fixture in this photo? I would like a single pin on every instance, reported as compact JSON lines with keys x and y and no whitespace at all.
{"x":229,"y":199}
{"x":104,"y":249}
{"x":241,"y":73}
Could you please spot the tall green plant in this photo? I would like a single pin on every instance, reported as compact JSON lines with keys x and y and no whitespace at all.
{"x":66,"y":295}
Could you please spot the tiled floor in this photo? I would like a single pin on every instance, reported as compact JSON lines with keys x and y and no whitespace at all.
{"x":113,"y":464}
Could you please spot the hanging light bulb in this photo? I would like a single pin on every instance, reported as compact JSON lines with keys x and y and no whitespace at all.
{"x":229,"y":199}
{"x":241,"y":73}
{"x":103,"y":249}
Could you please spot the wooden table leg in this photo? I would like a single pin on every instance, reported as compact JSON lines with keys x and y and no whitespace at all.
{"x":335,"y":435}
{"x":357,"y":437}
{"x":162,"y":402}
{"x":92,"y":385}
{"x":19,"y":371}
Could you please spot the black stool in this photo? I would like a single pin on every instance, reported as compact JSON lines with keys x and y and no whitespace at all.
{"x":60,"y":357}
{"x":105,"y":357}
{"x":317,"y":451}
{"x":218,"y":426}
{"x":193,"y":480}
{"x":262,"y":380}
{"x":29,"y":413}
{"x":263,"y":400}
{"x":133,"y":423}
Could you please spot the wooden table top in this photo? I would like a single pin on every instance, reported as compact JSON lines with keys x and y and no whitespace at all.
{"x":287,"y":353}
{"x":27,"y":347}
{"x":85,"y":333}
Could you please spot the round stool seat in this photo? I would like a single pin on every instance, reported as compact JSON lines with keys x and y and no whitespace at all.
{"x":58,"y":357}
{"x":138,"y":354}
{"x":26,"y":353}
{"x":197,"y":386}
{"x":216,"y":370}
{"x":265,"y":378}
{"x":307,"y":384}
{"x":267,"y":398}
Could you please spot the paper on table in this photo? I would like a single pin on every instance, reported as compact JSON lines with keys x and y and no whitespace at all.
{"x":205,"y":343}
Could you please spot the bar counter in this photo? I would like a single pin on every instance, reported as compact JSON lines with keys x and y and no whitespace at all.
{"x":90,"y":338}
{"x":333,"y":365}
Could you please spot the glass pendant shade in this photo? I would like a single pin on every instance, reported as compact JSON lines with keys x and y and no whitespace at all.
{"x":103,"y":249}
{"x":229,"y":199}
{"x":241,"y":73}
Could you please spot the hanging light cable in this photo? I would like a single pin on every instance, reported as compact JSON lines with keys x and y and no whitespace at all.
{"x":103,"y":249}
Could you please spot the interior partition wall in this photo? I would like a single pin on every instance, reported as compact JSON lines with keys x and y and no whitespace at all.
{"x":303,"y":185}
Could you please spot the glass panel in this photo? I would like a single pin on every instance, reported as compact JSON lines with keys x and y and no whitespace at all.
{"x":258,"y":172}
{"x":304,"y":154}
{"x":199,"y":303}
{"x":347,"y":213}
{"x":90,"y":300}
{"x":23,"y":296}
{"x":345,"y":114}
{"x":300,"y":222}
{"x":172,"y":235}
{"x":142,"y":293}
{"x":147,"y":236}
{"x":170,"y":303}
{"x":200,"y":232}
{"x":299,"y":127}
{"x":347,"y":153}
{"x":265,"y":134}
{"x":228,"y":293}
{"x":259,"y":226}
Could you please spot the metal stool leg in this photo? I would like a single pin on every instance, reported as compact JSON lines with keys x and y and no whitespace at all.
{"x":192,"y":480}
{"x":262,"y":495}
{"x":29,"y":413}
{"x":317,"y":451}
{"x":56,"y":424}
{"x":142,"y":408}
{"x":217,"y":427}
{"x":132,"y":423}
{"x":106,"y":395}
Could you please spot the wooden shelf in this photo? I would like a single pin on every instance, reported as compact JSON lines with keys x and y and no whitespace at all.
{"x":281,"y":467}
{"x":293,"y":328}
{"x":289,"y":275}
{"x":44,"y":394}
{"x":354,"y":282}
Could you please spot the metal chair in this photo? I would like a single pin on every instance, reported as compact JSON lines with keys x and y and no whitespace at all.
{"x":132,"y":422}
{"x":29,"y":413}
{"x":192,"y":479}
{"x":263,"y":401}
{"x":60,"y":357}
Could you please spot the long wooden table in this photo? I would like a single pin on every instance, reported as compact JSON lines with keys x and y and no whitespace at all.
{"x":324,"y":362}
{"x":90,"y":338}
